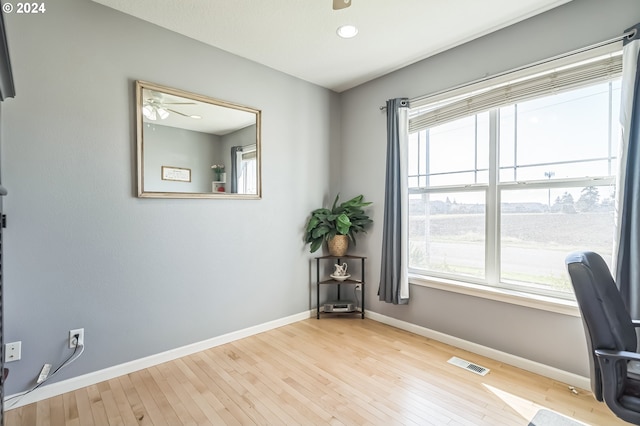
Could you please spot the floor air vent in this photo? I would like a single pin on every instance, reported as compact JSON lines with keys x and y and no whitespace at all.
{"x":474,"y":368}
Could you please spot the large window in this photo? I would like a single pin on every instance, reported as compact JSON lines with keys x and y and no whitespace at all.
{"x":500,"y":197}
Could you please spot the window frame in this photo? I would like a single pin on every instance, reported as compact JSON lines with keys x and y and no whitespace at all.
{"x":492,"y":286}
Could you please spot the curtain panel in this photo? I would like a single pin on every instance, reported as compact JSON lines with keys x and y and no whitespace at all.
{"x":234,"y":168}
{"x":626,"y":260}
{"x":394,"y":279}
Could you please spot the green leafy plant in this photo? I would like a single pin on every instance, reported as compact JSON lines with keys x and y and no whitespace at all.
{"x":347,"y":218}
{"x":218,"y":168}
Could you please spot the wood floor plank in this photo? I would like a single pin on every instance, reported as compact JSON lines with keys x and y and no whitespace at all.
{"x":256,"y":380}
{"x":213,"y":401}
{"x":333,"y":371}
{"x":279,"y":391}
{"x":241,"y":391}
{"x":85,"y":415}
{"x":135,"y":402}
{"x":344,"y":375}
{"x":28,"y":416}
{"x":212,"y":396}
{"x":124,"y":408}
{"x":156,"y":414}
{"x":165,"y":389}
{"x":12,"y":417}
{"x":56,"y":406}
{"x":181,"y":394}
{"x":97,"y":405}
{"x":70,"y":409}
{"x":289,"y":359}
{"x":110,"y":406}
{"x":166,"y":408}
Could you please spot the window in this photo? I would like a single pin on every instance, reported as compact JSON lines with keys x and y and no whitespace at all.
{"x":247,"y":170}
{"x":499,"y":197}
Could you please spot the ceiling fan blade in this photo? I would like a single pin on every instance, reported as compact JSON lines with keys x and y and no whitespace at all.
{"x":177,"y":112}
{"x":197,"y":117}
{"x":341,"y":4}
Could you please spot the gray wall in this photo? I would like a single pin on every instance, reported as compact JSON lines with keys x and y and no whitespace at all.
{"x":552,"y":339}
{"x":174,"y":147}
{"x":242,"y":137}
{"x":143,"y":276}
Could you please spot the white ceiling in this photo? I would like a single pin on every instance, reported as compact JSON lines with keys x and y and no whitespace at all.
{"x":298,"y":37}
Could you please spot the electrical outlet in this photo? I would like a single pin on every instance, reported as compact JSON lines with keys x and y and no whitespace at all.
{"x":72,"y":337}
{"x":12,"y":351}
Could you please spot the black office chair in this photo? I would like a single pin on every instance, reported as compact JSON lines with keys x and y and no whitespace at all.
{"x":610,"y":332}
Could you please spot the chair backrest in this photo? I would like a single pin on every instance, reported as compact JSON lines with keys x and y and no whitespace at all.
{"x":607,"y":323}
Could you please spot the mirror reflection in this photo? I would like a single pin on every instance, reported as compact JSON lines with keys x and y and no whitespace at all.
{"x":193,"y":146}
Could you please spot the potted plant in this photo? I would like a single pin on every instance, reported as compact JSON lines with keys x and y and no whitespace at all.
{"x":337,"y":225}
{"x":218,"y":171}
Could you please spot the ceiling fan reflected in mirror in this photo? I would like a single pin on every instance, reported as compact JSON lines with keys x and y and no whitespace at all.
{"x":341,"y":4}
{"x":154,"y":108}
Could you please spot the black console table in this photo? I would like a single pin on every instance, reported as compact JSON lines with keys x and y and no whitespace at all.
{"x":351,"y":281}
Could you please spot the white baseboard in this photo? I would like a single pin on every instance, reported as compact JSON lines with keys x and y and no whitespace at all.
{"x":89,"y":379}
{"x":516,"y":361}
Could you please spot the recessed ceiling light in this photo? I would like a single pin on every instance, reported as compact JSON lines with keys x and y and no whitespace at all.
{"x":347,"y":31}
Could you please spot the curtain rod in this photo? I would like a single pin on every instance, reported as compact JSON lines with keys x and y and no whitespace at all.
{"x":629,"y":35}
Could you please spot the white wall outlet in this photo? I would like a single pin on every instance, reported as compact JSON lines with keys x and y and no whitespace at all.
{"x":12,"y":351}
{"x":72,"y":337}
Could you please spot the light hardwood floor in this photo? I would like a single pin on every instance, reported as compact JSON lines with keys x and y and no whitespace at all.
{"x":338,"y":371}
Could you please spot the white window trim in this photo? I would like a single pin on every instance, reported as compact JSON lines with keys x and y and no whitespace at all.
{"x":499,"y":294}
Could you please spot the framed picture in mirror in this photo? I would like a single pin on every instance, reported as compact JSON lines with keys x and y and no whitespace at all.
{"x":178,"y":174}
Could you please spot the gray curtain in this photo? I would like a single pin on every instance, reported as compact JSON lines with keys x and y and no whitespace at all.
{"x":234,"y":168}
{"x":627,"y":260}
{"x":394,"y":282}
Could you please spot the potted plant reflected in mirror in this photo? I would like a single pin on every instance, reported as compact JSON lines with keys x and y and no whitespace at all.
{"x":337,"y":226}
{"x":218,"y":173}
{"x":219,"y":178}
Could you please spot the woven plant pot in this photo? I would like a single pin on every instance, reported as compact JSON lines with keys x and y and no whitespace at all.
{"x":338,"y":245}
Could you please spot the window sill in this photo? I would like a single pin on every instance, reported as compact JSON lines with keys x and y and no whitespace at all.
{"x":560,"y":306}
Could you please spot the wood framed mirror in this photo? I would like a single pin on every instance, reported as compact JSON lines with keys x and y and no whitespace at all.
{"x":194,"y":146}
